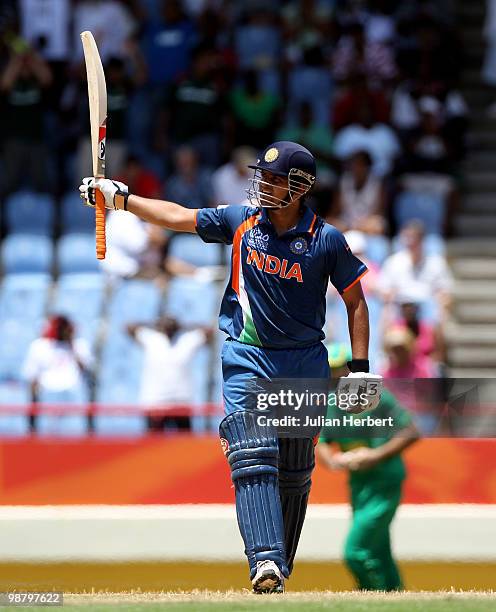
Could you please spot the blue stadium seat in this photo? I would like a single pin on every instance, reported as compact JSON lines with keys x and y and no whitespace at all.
{"x":119,"y":424}
{"x":13,"y":426}
{"x":76,"y":218}
{"x":16,"y":336}
{"x":192,"y":302}
{"x":27,"y":253}
{"x":120,"y":369}
{"x":116,"y":388}
{"x":134,"y":301}
{"x":427,"y":207}
{"x":80,"y":297}
{"x":378,"y":248}
{"x":76,"y":253}
{"x":30,"y":213}
{"x":71,"y":425}
{"x":23,"y":300}
{"x":23,"y":297}
{"x":15,"y":423}
{"x":13,"y":393}
{"x":193,"y":250}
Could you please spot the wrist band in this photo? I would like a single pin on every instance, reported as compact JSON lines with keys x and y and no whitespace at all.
{"x":121,"y":203}
{"x":358,"y":365}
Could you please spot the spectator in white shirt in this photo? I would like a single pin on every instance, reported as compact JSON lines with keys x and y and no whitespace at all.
{"x":127,"y":240}
{"x":360,"y":200}
{"x":45,"y":25}
{"x":378,"y":139}
{"x":111,"y":23}
{"x":412,"y":273}
{"x":166,"y":382}
{"x":58,"y":366}
{"x":230,"y":181}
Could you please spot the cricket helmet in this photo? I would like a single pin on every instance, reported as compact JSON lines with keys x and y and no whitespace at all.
{"x":287,"y":159}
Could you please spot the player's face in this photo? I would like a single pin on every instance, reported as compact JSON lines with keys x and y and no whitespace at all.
{"x":274,"y":185}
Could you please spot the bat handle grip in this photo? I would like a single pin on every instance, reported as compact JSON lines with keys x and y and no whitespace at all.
{"x":101,"y":246}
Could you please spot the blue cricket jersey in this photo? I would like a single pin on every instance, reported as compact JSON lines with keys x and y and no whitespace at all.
{"x":276,"y":297}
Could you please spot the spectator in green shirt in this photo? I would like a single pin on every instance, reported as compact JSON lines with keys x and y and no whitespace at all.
{"x":255,"y":112}
{"x":376,"y":474}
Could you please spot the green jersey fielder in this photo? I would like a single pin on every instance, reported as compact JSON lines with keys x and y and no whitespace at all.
{"x":372,"y":456}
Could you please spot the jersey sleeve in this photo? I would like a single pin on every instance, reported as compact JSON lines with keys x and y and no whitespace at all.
{"x":343,"y":268}
{"x":219,"y":224}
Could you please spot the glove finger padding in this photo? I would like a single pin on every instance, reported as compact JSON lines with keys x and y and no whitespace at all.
{"x":87,"y":192}
{"x":358,"y":392}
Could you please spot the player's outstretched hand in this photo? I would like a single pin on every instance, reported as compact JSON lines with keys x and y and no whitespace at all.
{"x":358,"y":392}
{"x":114,"y":192}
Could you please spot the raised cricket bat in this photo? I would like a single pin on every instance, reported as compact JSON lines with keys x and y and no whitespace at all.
{"x":97,"y":96}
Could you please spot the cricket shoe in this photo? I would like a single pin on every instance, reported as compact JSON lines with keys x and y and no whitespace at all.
{"x":268,"y":578}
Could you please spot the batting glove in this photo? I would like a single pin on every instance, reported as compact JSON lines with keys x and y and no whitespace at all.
{"x":358,"y":392}
{"x":114,"y":192}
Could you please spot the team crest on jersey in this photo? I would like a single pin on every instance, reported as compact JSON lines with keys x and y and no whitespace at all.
{"x":298,"y":246}
{"x":257,"y":239}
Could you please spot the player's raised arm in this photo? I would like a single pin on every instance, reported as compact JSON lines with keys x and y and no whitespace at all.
{"x":159,"y":212}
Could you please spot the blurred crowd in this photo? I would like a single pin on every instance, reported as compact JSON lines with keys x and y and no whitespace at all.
{"x":197,"y":87}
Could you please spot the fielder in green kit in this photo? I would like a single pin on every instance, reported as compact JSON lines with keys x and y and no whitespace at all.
{"x":372,"y":457}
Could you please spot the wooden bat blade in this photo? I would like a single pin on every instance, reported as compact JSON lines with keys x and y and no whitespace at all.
{"x":97,"y":96}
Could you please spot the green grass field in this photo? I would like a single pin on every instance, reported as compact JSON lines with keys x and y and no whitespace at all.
{"x":209,"y":601}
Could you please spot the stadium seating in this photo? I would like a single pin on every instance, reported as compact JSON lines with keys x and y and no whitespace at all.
{"x":23,"y":298}
{"x":30,"y":213}
{"x":378,"y":248}
{"x":17,"y":335}
{"x":15,"y":394}
{"x":73,"y":424}
{"x":430,"y":208}
{"x":76,"y":218}
{"x":80,"y":297}
{"x":194,"y":251}
{"x":26,"y":253}
{"x":76,"y":253}
{"x":13,"y":425}
{"x":119,"y":425}
{"x":192,"y":302}
{"x":134,"y":301}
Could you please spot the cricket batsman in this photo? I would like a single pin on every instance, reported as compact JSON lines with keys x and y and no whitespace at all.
{"x":273,"y":312}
